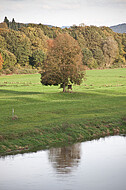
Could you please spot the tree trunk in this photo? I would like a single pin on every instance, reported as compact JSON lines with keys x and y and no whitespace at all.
{"x":64,"y":87}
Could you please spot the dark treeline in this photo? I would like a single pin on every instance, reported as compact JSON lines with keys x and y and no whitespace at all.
{"x":13,"y":25}
{"x":26,"y":45}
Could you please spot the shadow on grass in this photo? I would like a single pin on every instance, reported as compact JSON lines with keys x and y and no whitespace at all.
{"x":14,"y":92}
{"x":19,"y":92}
{"x":74,"y":94}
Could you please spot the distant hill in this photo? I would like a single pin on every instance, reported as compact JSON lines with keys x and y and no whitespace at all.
{"x":120,"y":28}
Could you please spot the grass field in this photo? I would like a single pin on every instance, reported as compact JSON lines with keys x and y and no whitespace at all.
{"x":46,"y":116}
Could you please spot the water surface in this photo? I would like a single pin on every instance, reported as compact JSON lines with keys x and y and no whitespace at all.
{"x":93,"y":165}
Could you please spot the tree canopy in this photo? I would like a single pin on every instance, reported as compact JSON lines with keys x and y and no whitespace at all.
{"x":64,"y":62}
{"x":1,"y":61}
{"x":28,"y":45}
{"x":37,"y":58}
{"x":9,"y":59}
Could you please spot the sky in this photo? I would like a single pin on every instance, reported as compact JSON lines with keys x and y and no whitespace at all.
{"x":65,"y":12}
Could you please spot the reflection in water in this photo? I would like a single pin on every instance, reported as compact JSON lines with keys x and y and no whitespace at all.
{"x":102,"y":166}
{"x":65,"y":159}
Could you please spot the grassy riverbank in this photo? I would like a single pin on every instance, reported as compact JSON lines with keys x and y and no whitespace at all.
{"x":46,"y":117}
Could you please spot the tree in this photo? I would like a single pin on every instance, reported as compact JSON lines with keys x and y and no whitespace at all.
{"x":37,"y":58}
{"x":14,"y":25}
{"x":6,"y":21}
{"x":87,"y":55}
{"x":1,"y":61}
{"x":88,"y":59}
{"x":37,"y":38}
{"x":124,"y":44}
{"x":9,"y":59}
{"x":18,"y":44}
{"x":64,"y":63}
{"x":110,"y":51}
{"x":98,"y":56}
{"x":3,"y":25}
{"x":3,"y":43}
{"x":82,"y":25}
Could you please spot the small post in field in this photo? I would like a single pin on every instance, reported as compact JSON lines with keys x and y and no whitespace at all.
{"x":12,"y":112}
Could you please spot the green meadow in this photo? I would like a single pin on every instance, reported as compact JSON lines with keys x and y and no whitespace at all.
{"x":44,"y":116}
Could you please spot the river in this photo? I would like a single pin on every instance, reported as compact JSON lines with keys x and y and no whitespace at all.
{"x":92,"y":165}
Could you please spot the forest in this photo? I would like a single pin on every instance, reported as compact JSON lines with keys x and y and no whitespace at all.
{"x":24,"y":47}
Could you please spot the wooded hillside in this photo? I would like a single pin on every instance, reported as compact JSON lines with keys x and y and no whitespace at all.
{"x":26,"y":45}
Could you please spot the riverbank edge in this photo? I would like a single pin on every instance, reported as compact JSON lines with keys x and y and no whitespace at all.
{"x":65,"y":134}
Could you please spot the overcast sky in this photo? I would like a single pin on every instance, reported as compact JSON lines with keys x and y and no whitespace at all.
{"x":65,"y":12}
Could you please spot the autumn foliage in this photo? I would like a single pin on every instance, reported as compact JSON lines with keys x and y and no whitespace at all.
{"x":1,"y":61}
{"x":50,"y":43}
{"x":64,"y":62}
{"x":27,"y":45}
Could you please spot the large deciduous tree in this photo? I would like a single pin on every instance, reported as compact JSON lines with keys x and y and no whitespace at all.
{"x":64,"y":62}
